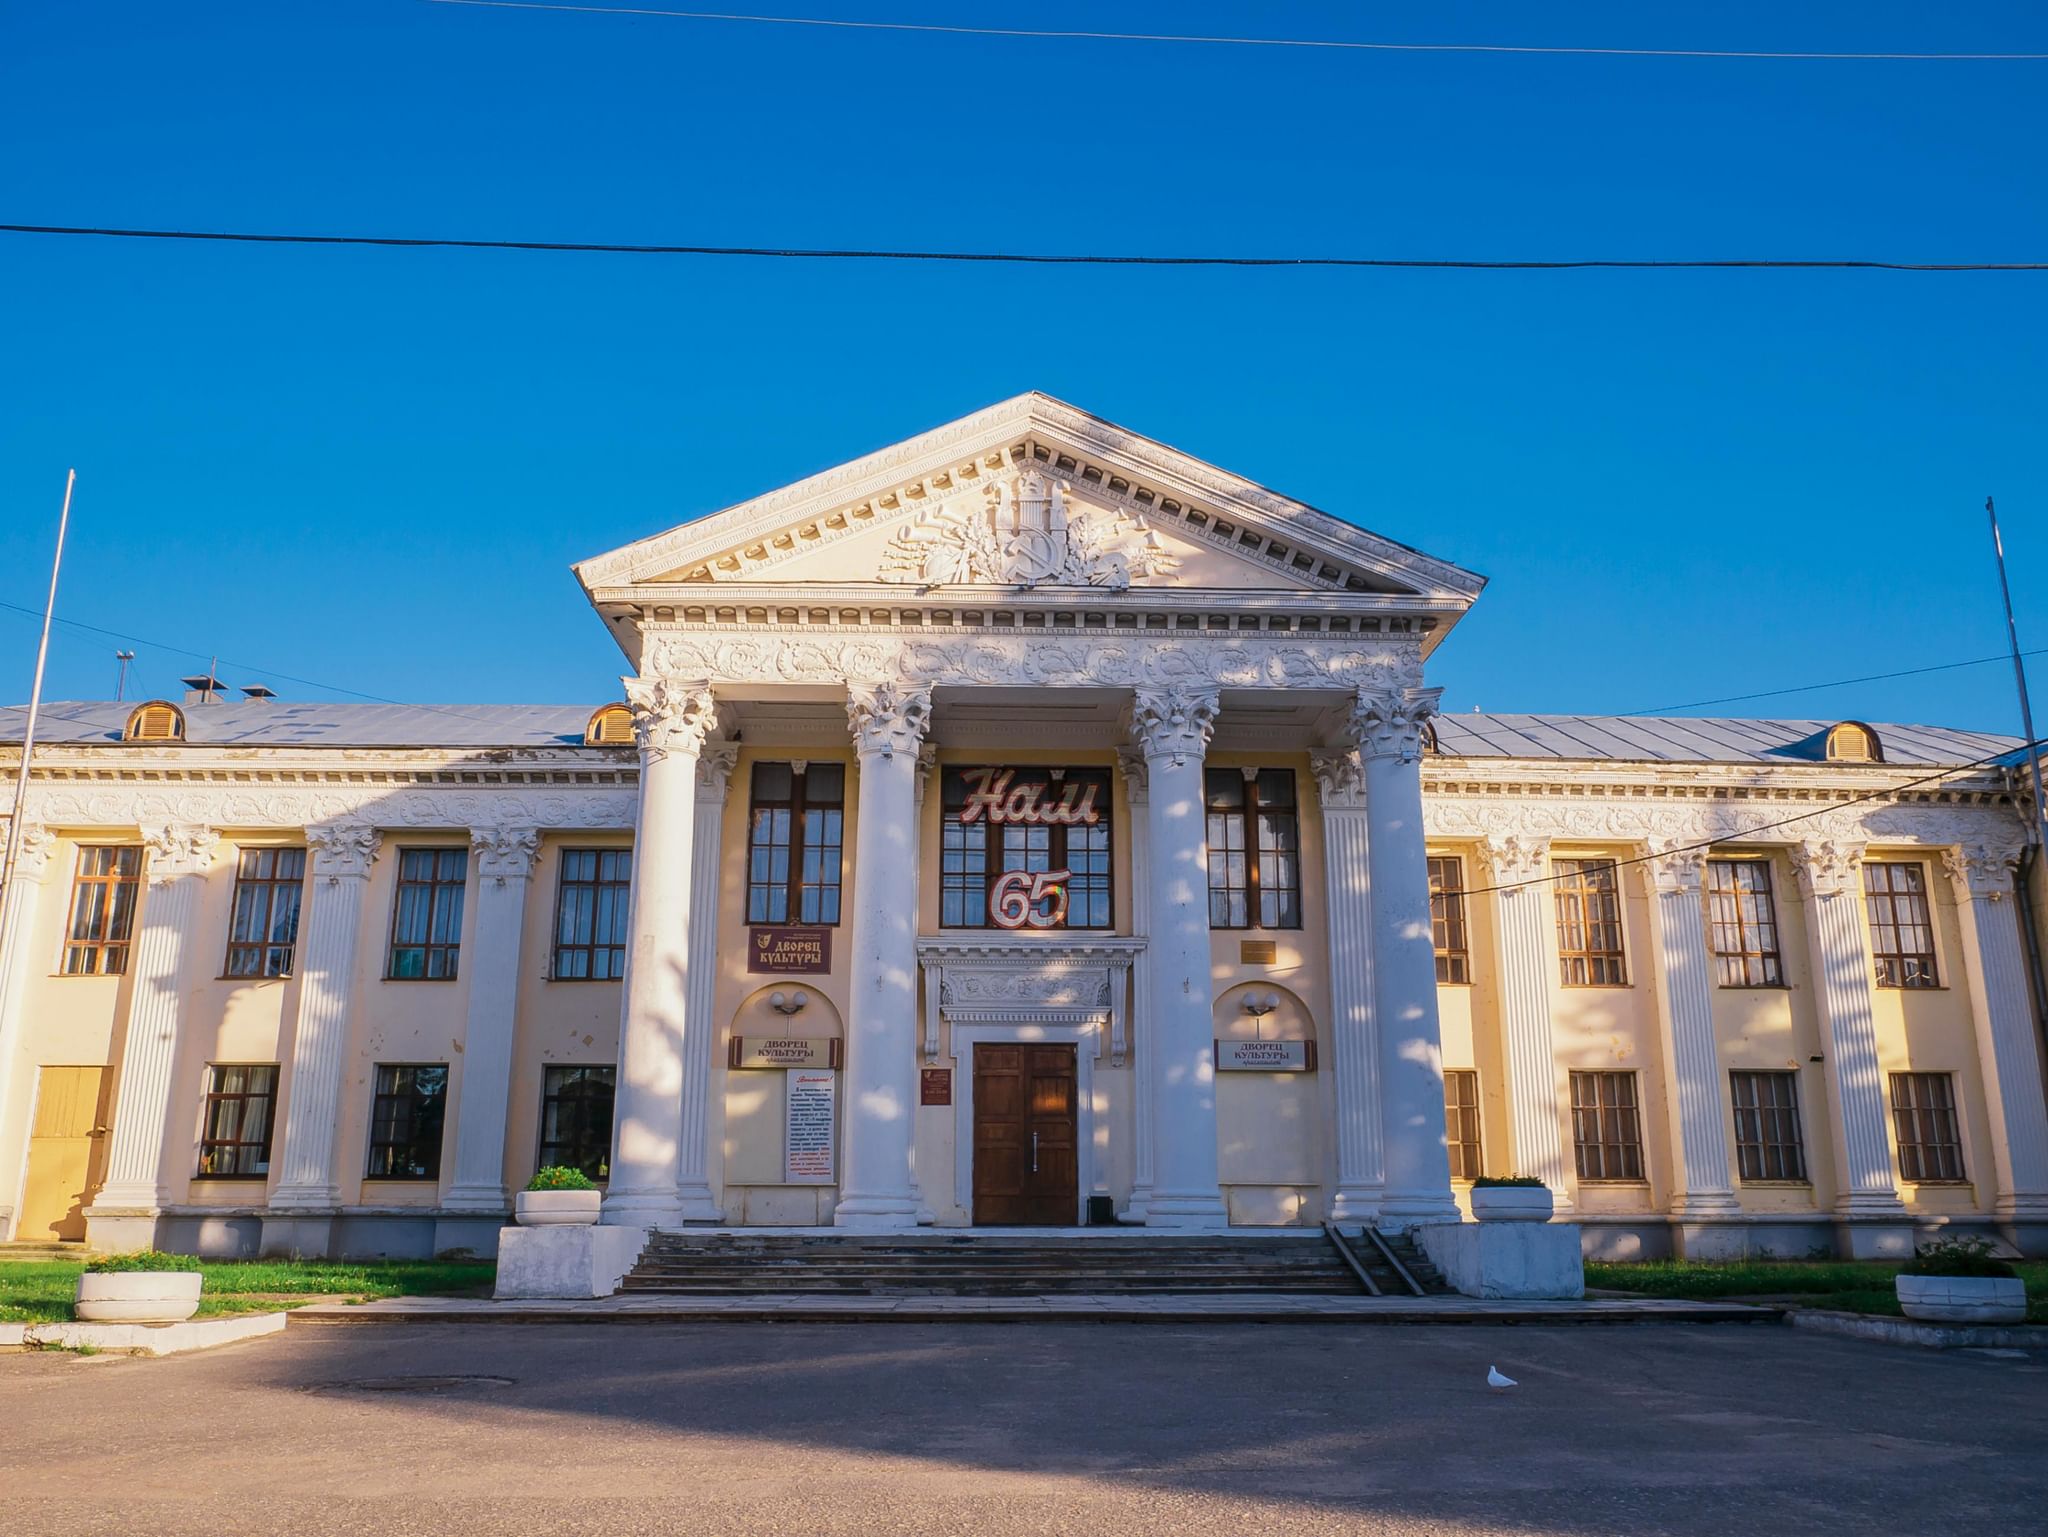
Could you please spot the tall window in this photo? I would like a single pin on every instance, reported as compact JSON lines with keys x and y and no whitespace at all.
{"x":1461,"y":1122}
{"x":1589,"y":923}
{"x":1768,"y":1143}
{"x":265,"y":925}
{"x":406,"y":1119}
{"x":1006,"y":836}
{"x":1607,"y":1134}
{"x":1901,"y":925}
{"x":1743,"y":924}
{"x":576,"y":1119}
{"x":591,"y":901}
{"x":1924,"y":1120}
{"x":1254,"y":849}
{"x":234,"y":1133}
{"x":102,"y":911}
{"x":1447,"y":918}
{"x":793,"y":843}
{"x":426,"y":923}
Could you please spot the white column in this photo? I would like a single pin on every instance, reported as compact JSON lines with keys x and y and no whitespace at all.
{"x":1830,"y":883}
{"x":927,"y":760}
{"x":176,"y":872}
{"x":672,"y":718}
{"x":1386,"y":726}
{"x":1137,"y":793}
{"x":1354,"y":1040}
{"x":17,"y":938}
{"x":1525,"y":951}
{"x":2007,"y":1047}
{"x":1172,"y":728}
{"x":1692,"y":1058}
{"x":502,"y":858}
{"x":876,"y":1187}
{"x":707,"y":843}
{"x":340,"y":855}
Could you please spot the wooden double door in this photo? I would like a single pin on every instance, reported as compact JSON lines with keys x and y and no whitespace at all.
{"x":1027,"y":1165}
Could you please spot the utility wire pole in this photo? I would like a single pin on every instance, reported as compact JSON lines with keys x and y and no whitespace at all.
{"x":2019,"y":672}
{"x":15,"y":827}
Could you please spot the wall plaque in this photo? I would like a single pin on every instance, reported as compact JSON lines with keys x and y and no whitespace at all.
{"x":1258,"y":952}
{"x":808,"y":1127}
{"x":786,"y":950}
{"x":1265,"y":1056}
{"x":781,"y":1051}
{"x":935,"y":1086}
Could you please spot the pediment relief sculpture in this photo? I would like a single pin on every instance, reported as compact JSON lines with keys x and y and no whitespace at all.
{"x":1024,"y":530}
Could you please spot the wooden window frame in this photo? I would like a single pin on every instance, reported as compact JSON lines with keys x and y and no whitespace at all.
{"x":1770,"y":1141}
{"x":954,"y":843}
{"x":1585,"y":964}
{"x":1742,"y":925}
{"x":410,"y":1096}
{"x":1601,"y":1158}
{"x":1450,"y":934}
{"x":1892,"y":964}
{"x":1462,"y":1128}
{"x":552,"y":1094}
{"x":438,"y":887}
{"x":1923,"y":1102}
{"x":799,"y":806}
{"x":216,"y":1101}
{"x":104,"y":949}
{"x":1250,"y":816}
{"x":601,"y":962}
{"x":264,"y":959}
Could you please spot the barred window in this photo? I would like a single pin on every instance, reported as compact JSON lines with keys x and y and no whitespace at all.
{"x":265,"y":925}
{"x":591,"y":901}
{"x":426,"y":920}
{"x":1461,"y":1122}
{"x":1607,"y":1134}
{"x":795,"y":834}
{"x":1743,"y":924}
{"x":999,"y":821}
{"x":1447,"y":918}
{"x":576,"y":1118}
{"x":1924,"y":1120}
{"x":241,"y":1106}
{"x":406,"y":1119}
{"x":1254,"y":844}
{"x":1589,"y":923}
{"x":102,"y":911}
{"x":1901,"y":924}
{"x":1768,"y":1142}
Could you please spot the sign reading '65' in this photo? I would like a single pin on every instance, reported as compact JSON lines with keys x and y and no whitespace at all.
{"x":1029,"y":899}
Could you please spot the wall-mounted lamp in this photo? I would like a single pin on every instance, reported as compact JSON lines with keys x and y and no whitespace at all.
{"x":788,"y":1003}
{"x":1259,"y":1005}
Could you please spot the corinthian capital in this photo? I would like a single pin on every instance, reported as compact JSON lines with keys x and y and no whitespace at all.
{"x":504,"y":853}
{"x":1340,"y":777}
{"x":178,"y":848}
{"x":670,"y":715}
{"x":715,"y":764}
{"x":1173,"y":723}
{"x":342,"y":848}
{"x":1514,"y":859}
{"x":1826,"y":867}
{"x":1677,"y":873}
{"x":888,"y":718}
{"x":1388,"y":722}
{"x":32,"y":859}
{"x":1982,"y":869}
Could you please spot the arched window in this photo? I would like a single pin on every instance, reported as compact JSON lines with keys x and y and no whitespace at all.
{"x":1853,"y":742}
{"x":611,"y":726}
{"x":156,"y":721}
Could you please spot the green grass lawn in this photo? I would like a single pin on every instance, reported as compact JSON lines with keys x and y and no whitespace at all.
{"x":40,"y":1291}
{"x":1847,"y":1286}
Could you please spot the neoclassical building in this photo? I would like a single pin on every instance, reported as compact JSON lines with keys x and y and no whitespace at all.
{"x":1028,"y":824}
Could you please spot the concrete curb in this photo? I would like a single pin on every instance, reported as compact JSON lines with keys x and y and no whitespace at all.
{"x":1907,"y":1331}
{"x":142,"y":1339}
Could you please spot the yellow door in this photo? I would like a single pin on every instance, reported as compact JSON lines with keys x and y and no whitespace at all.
{"x":67,"y":1151}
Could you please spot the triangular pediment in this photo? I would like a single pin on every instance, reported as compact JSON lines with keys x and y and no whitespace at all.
{"x":1028,"y":494}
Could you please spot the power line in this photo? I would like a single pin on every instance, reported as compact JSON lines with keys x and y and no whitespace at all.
{"x":818,"y":253}
{"x":1238,"y":42}
{"x":1807,"y":688}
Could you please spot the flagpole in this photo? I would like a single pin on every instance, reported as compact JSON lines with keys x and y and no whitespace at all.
{"x":15,"y":827}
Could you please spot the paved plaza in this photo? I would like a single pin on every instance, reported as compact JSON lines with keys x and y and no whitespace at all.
{"x":1049,"y":1427}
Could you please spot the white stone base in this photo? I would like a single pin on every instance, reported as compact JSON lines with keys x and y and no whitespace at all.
{"x":566,"y":1261}
{"x":1874,"y":1240}
{"x":141,"y":1339}
{"x":1521,"y":1260}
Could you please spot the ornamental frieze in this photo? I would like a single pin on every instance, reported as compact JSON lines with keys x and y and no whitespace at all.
{"x":132,"y":806}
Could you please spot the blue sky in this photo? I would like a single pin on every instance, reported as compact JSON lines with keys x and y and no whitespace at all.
{"x":373,"y":468}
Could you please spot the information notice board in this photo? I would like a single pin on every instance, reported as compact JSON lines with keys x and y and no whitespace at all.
{"x":809,"y":1127}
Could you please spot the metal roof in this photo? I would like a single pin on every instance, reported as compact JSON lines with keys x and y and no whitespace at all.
{"x":1679,"y":739}
{"x":318,"y":723}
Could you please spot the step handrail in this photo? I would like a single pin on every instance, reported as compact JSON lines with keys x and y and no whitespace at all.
{"x":1387,"y":1253}
{"x":1344,"y":1248}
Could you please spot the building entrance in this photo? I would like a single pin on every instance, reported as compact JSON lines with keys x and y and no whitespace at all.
{"x":1026,"y":1148}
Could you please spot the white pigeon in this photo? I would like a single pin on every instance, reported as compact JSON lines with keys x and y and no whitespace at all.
{"x":1497,"y":1382}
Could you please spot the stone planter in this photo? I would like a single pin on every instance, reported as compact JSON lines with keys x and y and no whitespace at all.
{"x":1511,"y":1203}
{"x":1963,"y":1299}
{"x":557,"y":1208}
{"x":137,"y":1297}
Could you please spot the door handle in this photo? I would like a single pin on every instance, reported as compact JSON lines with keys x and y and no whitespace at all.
{"x":1034,"y":1152}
